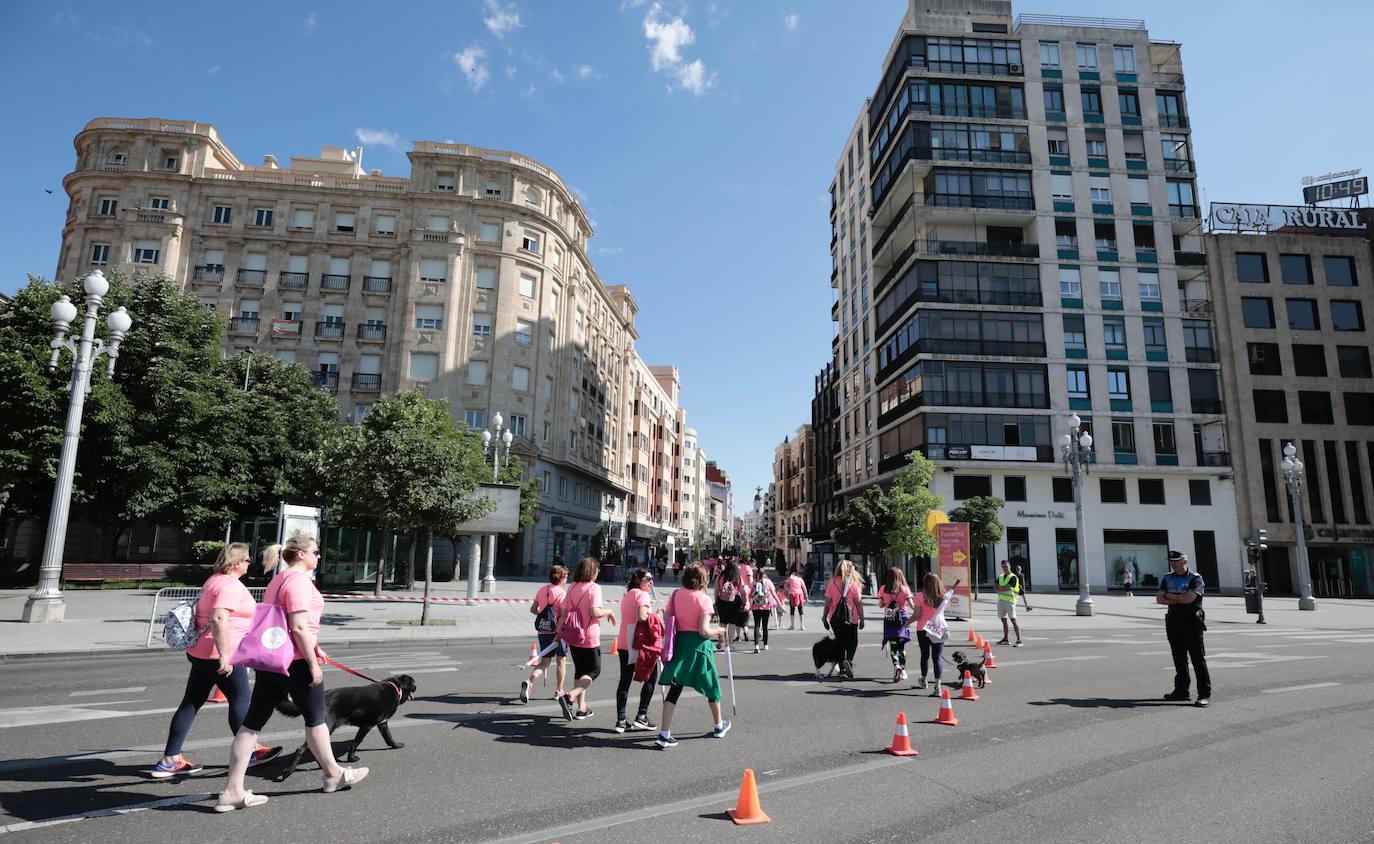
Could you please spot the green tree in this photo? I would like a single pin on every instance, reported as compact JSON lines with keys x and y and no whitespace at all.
{"x":984,"y":527}
{"x":864,"y":523}
{"x":911,"y":502}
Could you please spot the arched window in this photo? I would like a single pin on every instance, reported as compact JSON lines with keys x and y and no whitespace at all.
{"x":493,"y":189}
{"x":533,"y":198}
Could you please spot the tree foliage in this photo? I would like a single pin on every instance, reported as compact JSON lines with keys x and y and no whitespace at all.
{"x":864,"y":523}
{"x":911,"y":501}
{"x":981,"y":514}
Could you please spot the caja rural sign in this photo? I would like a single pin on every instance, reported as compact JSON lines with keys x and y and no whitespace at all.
{"x":1264,"y":218}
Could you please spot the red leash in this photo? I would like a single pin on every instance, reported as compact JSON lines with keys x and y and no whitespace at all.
{"x":342,"y":667}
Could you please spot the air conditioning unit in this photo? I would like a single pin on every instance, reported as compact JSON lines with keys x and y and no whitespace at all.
{"x":1016,"y":68}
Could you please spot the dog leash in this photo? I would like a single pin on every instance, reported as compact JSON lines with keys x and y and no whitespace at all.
{"x":395,"y":688}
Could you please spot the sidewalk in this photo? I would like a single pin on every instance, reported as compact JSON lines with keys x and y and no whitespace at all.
{"x":116,"y":622}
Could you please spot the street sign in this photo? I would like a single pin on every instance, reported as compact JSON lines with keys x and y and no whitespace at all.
{"x":952,"y":558}
{"x":505,"y":518}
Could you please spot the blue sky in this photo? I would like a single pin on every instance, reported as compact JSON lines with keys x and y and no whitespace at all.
{"x":701,"y":136}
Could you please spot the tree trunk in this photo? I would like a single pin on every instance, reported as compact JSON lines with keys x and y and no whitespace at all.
{"x":117,"y":531}
{"x":429,"y":574}
{"x":410,"y":565}
{"x":381,"y":566}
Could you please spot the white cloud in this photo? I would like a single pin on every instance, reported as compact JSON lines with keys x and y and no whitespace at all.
{"x":610,"y":250}
{"x":378,"y":137}
{"x":510,"y":71}
{"x":471,"y":62}
{"x":557,"y":76}
{"x":212,"y":69}
{"x":528,"y":93}
{"x":667,"y":38}
{"x":790,"y":20}
{"x":501,"y":19}
{"x":310,"y":21}
{"x":586,"y":71}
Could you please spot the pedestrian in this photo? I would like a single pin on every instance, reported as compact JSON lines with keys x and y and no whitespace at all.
{"x":763,"y":597}
{"x":222,"y":616}
{"x":1025,"y":587}
{"x":730,"y":602}
{"x":898,"y":603}
{"x":584,"y":598}
{"x":1128,"y":582}
{"x":844,"y":612}
{"x":1008,"y":586}
{"x":746,"y":588}
{"x":635,"y":608}
{"x":694,"y":662}
{"x":1184,"y":623}
{"x":933,"y":600}
{"x":795,"y":589}
{"x":272,"y":563}
{"x":544,"y":608}
{"x":295,"y":592}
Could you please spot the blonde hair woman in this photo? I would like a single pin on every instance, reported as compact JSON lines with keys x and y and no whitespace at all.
{"x":844,"y":612}
{"x":272,"y":563}
{"x":223,"y":614}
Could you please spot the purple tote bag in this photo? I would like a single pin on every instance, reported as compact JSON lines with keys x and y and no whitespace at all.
{"x":267,"y":646}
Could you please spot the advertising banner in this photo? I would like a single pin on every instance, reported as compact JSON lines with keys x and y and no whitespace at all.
{"x":952,"y":559}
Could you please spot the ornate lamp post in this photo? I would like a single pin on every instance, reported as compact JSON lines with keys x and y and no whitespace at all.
{"x":46,"y":603}
{"x":492,"y":442}
{"x":1077,"y":447}
{"x":1293,"y":473}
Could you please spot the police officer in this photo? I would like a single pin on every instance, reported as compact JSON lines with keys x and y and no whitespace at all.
{"x":1181,"y":590}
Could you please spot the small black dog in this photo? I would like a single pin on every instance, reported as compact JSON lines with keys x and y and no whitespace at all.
{"x":364,"y":707}
{"x":829,"y":651}
{"x":976,"y":670}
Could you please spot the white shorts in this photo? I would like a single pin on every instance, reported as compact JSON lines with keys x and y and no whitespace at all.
{"x":1006,"y":609}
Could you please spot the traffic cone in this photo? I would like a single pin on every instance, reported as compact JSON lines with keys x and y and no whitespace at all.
{"x":216,"y":696}
{"x":747,"y":810}
{"x":901,"y":741}
{"x":989,"y":660}
{"x":946,"y":715}
{"x":967,"y":692}
{"x":615,"y":646}
{"x":978,"y":642}
{"x":972,"y":637}
{"x":534,"y":655}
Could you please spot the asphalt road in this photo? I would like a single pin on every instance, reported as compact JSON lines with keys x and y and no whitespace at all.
{"x":1069,"y":743}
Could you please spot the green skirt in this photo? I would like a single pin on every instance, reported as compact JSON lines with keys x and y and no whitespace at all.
{"x":693,"y":665}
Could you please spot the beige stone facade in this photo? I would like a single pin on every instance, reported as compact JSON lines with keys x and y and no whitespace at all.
{"x":794,"y":482}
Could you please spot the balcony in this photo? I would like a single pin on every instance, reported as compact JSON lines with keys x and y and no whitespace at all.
{"x":376,"y":284}
{"x":1173,"y":121}
{"x":429,"y":236}
{"x":328,"y":380}
{"x":1196,"y":307}
{"x":1017,"y":298}
{"x":251,"y":278}
{"x":1216,"y":458}
{"x":979,"y":249}
{"x":1190,"y":259}
{"x":995,"y":348}
{"x":372,"y":333}
{"x":244,"y":325}
{"x":1207,"y":406}
{"x":329,"y":330}
{"x":1197,"y":354}
{"x":1002,"y":203}
{"x":367,"y":382}
{"x":1178,"y":165}
{"x":968,"y":68}
{"x":333,"y":282}
{"x":208,"y":272}
{"x":292,"y":281}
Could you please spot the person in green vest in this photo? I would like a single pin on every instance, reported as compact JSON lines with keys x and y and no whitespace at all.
{"x":1008,"y":587}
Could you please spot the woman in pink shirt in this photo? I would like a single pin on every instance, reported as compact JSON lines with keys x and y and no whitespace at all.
{"x":934,"y":598}
{"x":795,"y":588}
{"x":584,"y":598}
{"x":223,"y":613}
{"x":763,"y":597}
{"x":545,"y":611}
{"x":897,"y":603}
{"x":694,"y":661}
{"x":294,"y":591}
{"x":844,"y":612}
{"x":635,"y":608}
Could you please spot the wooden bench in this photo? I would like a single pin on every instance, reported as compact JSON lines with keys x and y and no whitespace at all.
{"x":109,"y":572}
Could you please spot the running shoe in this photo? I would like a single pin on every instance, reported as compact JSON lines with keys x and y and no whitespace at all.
{"x":904,"y":674}
{"x":756,"y":649}
{"x":524,"y":691}
{"x":262,"y":754}
{"x":665,"y":741}
{"x":621,"y":726}
{"x":643,"y":723}
{"x":582,"y":715}
{"x":719,"y":732}
{"x":1018,"y":644}
{"x":1203,"y":701}
{"x":1003,"y":641}
{"x":566,"y":706}
{"x":765,"y":647}
{"x":1176,"y":696}
{"x":921,"y":684}
{"x":180,"y":766}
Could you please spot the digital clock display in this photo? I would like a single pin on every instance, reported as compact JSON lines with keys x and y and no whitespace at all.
{"x":1336,"y":190}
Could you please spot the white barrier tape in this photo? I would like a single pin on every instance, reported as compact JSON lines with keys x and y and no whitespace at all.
{"x":419,"y":599}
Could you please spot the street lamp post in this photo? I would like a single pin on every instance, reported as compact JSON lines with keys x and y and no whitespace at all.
{"x":492,"y":442}
{"x":46,"y":603}
{"x":1293,"y":473}
{"x":1077,"y":447}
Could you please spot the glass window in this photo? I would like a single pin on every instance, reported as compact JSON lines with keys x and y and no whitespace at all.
{"x":1123,"y":436}
{"x":343,"y":221}
{"x":1077,"y":380}
{"x":1295,"y":269}
{"x":1069,"y":283}
{"x":1129,"y":101}
{"x":1181,"y":201}
{"x":1354,"y":362}
{"x":423,"y":367}
{"x":1264,"y":358}
{"x":1151,"y":489}
{"x":1061,"y":184}
{"x":1087,"y":56}
{"x":1149,"y":286}
{"x":1074,"y":335}
{"x":1257,"y":311}
{"x":1014,"y":488}
{"x":486,"y":278}
{"x":1092,"y":101}
{"x":1118,"y":384}
{"x":1114,"y":332}
{"x":1155,"y":337}
{"x":490,"y":233}
{"x":222,"y":214}
{"x":520,"y":378}
{"x":1302,"y":314}
{"x":429,"y":317}
{"x":1271,"y":406}
{"x":481,"y":325}
{"x":475,"y":419}
{"x":477,"y":372}
{"x":1199,"y":492}
{"x":1135,"y":147}
{"x":1049,"y":55}
{"x":1340,"y":270}
{"x":1109,"y":284}
{"x":1346,"y":315}
{"x":1315,"y":407}
{"x":1100,"y":188}
{"x":262,"y":217}
{"x":1061,"y":489}
{"x":1096,"y":142}
{"x":1054,"y":99}
{"x":1066,"y":234}
{"x":527,"y":285}
{"x":1309,"y":361}
{"x":524,"y":332}
{"x":1359,"y":410}
{"x":1112,"y":490}
{"x":1164,"y":438}
{"x":1252,"y":268}
{"x":1124,"y":58}
{"x":1160,"y":390}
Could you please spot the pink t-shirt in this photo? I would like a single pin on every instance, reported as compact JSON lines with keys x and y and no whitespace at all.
{"x":629,"y":615}
{"x":746,"y":578}
{"x":902,"y":596}
{"x":549,"y":594}
{"x":222,"y":591}
{"x":796,"y":589}
{"x":832,"y":597}
{"x":583,"y":598}
{"x":927,"y":611}
{"x":770,"y":596}
{"x":688,"y":606}
{"x":296,"y":592}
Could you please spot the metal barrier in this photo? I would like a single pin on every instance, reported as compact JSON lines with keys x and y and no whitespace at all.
{"x":173,"y":595}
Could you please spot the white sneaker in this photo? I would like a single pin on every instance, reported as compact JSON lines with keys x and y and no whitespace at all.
{"x":765,"y":647}
{"x":904,"y":674}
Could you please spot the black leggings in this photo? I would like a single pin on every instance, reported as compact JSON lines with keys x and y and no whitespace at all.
{"x":897,"y":650}
{"x":797,"y":609}
{"x":761,"y":617}
{"x":272,"y":688}
{"x":848,"y":637}
{"x":931,"y":650}
{"x":622,"y":691}
{"x":205,"y":676}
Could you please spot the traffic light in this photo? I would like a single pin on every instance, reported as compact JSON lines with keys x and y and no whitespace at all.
{"x":1263,"y":540}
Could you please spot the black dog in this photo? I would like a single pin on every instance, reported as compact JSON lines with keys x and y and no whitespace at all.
{"x":828,"y":651}
{"x":364,"y":707}
{"x":976,"y":670}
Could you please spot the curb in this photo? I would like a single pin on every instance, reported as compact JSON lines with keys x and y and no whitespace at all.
{"x":129,"y":653}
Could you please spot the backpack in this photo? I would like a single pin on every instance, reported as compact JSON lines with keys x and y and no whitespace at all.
{"x":572,"y":629}
{"x":546,"y":621}
{"x":843,"y":613}
{"x":759,"y":596}
{"x":179,"y":630}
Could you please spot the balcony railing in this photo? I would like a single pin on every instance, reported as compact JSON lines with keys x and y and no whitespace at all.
{"x":979,"y":398}
{"x":293,"y":281}
{"x":980,"y":68}
{"x":1022,"y":298}
{"x":1175,"y":121}
{"x":369,"y":382}
{"x":1178,"y":165}
{"x":333,"y":282}
{"x":328,"y":380}
{"x":329,"y":330}
{"x":1001,"y":348}
{"x":1216,"y":458}
{"x":208,"y":272}
{"x":1183,"y":212}
{"x":1207,"y":405}
{"x":979,"y":249}
{"x":1196,"y":354}
{"x":372,"y":333}
{"x":252,"y":278}
{"x":1190,"y":259}
{"x":1006,"y":203}
{"x":244,"y":325}
{"x":376,"y":284}
{"x":1201,"y":307}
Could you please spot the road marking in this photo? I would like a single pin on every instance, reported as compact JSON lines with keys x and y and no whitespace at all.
{"x":33,"y":716}
{"x":1051,"y":659}
{"x":726,"y":797}
{"x":107,"y":813}
{"x":129,"y":691}
{"x":1283,"y":689}
{"x":412,"y":672}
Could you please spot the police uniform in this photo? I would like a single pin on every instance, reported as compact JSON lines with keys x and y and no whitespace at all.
{"x":1184,"y":624}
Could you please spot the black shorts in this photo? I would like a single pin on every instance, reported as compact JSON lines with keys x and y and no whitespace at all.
{"x":546,"y":639}
{"x":586,"y":662}
{"x":271,"y":688}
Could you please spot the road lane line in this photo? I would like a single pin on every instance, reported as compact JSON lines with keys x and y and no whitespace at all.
{"x":1303,"y":688}
{"x":129,"y":691}
{"x":726,"y":797}
{"x":1050,"y":659}
{"x":107,"y":813}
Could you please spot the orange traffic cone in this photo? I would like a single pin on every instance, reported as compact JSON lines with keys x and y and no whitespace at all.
{"x":901,"y":742}
{"x":747,"y":810}
{"x":972,"y":637}
{"x":978,"y":642}
{"x":988,"y":658}
{"x":534,"y":654}
{"x":946,"y":715}
{"x":216,"y":696}
{"x":615,"y":646}
{"x":967,"y":692}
